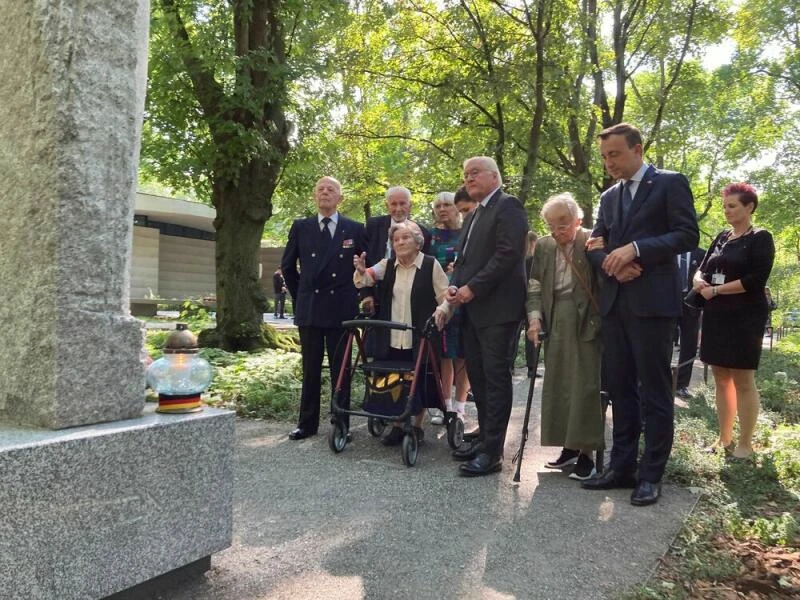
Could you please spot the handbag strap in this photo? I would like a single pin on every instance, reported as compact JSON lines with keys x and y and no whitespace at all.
{"x":581,"y":280}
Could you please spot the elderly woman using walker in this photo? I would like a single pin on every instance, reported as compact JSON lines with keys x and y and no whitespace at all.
{"x":413,"y":290}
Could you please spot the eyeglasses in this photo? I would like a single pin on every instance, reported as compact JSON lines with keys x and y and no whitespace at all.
{"x":472,"y":173}
{"x":558,"y":228}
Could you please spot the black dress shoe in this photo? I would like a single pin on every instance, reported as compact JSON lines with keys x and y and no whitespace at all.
{"x":683,"y":393}
{"x":301,"y":434}
{"x":609,"y":480}
{"x":482,"y":464}
{"x":469,"y":452}
{"x":646,"y":493}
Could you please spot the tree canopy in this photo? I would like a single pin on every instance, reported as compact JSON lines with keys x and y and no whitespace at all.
{"x":381,"y":93}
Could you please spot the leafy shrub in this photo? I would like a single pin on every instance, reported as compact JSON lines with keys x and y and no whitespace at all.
{"x":263,"y":385}
{"x":194,"y":313}
{"x":786,"y":456}
{"x":154,"y":342}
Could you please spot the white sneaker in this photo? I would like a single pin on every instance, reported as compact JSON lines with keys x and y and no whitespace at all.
{"x":437,"y":416}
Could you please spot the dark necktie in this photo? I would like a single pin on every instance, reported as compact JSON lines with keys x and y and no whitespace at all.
{"x":325,"y":232}
{"x":471,"y":226}
{"x":627,"y":198}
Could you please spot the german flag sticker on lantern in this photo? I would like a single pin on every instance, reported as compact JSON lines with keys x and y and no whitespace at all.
{"x":180,"y":375}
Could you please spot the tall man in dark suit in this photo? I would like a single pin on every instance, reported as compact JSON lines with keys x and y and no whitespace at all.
{"x":645,"y":220}
{"x":489,"y":284}
{"x":688,"y":322}
{"x":323,"y":293}
{"x":376,"y":235}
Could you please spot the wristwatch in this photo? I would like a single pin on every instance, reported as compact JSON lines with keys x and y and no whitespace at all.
{"x":715,"y":292}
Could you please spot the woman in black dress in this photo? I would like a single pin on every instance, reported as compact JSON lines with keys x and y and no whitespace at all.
{"x":732,"y":278}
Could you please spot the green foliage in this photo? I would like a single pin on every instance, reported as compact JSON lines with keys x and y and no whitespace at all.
{"x":781,"y":393}
{"x":154,"y":342}
{"x":264,"y":385}
{"x":194,"y":314}
{"x":755,"y":499}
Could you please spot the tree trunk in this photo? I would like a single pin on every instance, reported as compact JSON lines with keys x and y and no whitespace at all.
{"x":539,"y":32}
{"x":242,"y":210}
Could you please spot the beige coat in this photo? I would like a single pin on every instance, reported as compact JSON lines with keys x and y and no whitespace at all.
{"x":542,"y":280}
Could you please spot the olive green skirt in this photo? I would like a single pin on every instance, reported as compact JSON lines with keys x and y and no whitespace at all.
{"x":571,"y":409}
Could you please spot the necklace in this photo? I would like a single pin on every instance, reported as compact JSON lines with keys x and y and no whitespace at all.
{"x":720,"y":247}
{"x":732,"y":235}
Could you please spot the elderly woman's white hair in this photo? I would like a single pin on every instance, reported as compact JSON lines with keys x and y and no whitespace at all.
{"x":444,"y":198}
{"x":564,"y":200}
{"x":411,"y":227}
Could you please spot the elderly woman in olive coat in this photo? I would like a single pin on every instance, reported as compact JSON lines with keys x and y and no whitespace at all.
{"x":562,"y":298}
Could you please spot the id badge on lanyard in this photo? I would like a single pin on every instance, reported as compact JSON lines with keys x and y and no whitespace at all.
{"x":718,"y":278}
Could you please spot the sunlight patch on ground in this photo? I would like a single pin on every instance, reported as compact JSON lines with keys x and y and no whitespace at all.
{"x":319,"y":584}
{"x":606,"y":510}
{"x":265,"y":441}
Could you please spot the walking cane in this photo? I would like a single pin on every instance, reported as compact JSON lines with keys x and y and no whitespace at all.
{"x":518,"y":456}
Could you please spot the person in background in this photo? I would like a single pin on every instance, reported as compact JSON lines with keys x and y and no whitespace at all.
{"x":279,"y":289}
{"x":464,"y":203}
{"x":376,"y":240}
{"x":489,"y":285}
{"x":562,"y":293}
{"x":732,"y":279}
{"x":645,"y":221}
{"x":317,"y":266}
{"x":414,"y":284}
{"x":688,"y":322}
{"x":444,"y":248}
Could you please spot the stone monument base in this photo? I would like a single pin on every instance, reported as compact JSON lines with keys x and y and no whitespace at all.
{"x":91,"y":511}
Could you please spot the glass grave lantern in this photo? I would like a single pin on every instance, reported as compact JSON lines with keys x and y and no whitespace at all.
{"x":180,"y":375}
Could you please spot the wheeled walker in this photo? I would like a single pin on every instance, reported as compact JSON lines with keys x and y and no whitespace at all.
{"x":394,"y":391}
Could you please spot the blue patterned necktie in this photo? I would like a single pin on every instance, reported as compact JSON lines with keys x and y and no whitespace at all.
{"x":627,"y":198}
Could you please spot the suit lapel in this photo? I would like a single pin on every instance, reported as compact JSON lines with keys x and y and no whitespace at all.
{"x":486,"y":211}
{"x":473,"y":231}
{"x":548,"y":281}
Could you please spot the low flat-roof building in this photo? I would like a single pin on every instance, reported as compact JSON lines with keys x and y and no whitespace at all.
{"x":173,"y":255}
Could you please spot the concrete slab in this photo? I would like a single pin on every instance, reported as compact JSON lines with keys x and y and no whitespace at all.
{"x":93,"y":510}
{"x":309,"y":524}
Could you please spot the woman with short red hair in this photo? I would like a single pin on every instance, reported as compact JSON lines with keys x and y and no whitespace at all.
{"x":732,"y":278}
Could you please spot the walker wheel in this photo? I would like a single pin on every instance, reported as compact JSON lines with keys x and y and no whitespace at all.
{"x":376,"y":426}
{"x":455,"y":433}
{"x":410,"y":449}
{"x":337,"y":437}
